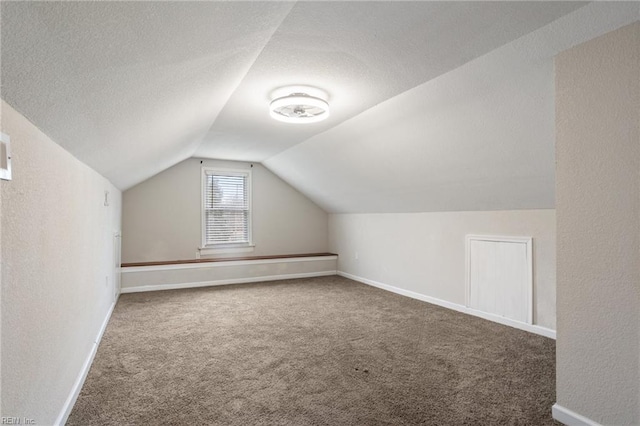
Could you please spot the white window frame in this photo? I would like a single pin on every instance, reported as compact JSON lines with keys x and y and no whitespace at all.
{"x":208,"y":249}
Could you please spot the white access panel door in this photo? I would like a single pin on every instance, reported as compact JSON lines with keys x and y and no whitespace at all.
{"x":499,"y":276}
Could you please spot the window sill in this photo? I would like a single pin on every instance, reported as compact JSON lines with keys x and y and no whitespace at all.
{"x":242,"y":248}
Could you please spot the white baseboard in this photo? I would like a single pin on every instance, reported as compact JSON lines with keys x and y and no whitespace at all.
{"x":138,"y":289}
{"x":543,"y":331}
{"x":570,"y":418}
{"x":77,"y":386}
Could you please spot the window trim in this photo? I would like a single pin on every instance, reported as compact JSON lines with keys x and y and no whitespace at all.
{"x":205,"y":248}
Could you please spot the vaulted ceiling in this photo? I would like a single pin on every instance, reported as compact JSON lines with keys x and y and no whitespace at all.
{"x":132,"y":88}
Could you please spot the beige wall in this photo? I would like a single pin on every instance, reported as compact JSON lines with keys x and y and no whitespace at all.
{"x":57,"y":270}
{"x":598,"y":213}
{"x":425,"y":252}
{"x":162,"y":221}
{"x":1,"y":286}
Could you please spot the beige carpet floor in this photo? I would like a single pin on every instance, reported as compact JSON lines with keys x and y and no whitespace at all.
{"x":319,"y":351}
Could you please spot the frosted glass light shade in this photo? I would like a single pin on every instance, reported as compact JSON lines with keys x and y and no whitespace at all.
{"x":299,"y":108}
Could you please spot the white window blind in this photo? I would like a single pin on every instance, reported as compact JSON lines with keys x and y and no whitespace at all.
{"x":227,"y":212}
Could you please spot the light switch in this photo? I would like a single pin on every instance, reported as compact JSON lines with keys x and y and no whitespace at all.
{"x":5,"y":157}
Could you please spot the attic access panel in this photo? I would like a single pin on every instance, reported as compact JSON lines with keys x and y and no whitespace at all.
{"x":500,"y":276}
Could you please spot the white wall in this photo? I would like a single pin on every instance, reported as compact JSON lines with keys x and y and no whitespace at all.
{"x":425,"y":252}
{"x":162,"y":221}
{"x":146,"y":278}
{"x":598,"y":210}
{"x":57,"y":270}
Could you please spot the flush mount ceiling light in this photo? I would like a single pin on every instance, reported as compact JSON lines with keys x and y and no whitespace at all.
{"x":299,"y":108}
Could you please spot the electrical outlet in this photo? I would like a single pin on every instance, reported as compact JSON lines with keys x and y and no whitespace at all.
{"x":106,"y":281}
{"x":355,"y":256}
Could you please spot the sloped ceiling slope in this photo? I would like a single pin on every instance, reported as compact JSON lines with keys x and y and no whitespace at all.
{"x":480,"y":137}
{"x":131,"y":88}
{"x":361,"y":53}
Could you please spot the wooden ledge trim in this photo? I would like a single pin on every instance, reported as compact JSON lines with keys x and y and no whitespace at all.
{"x":225,"y":259}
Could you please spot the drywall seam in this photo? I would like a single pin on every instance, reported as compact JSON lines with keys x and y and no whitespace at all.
{"x":138,"y":289}
{"x":570,"y":418}
{"x":82,"y":376}
{"x":542,"y":331}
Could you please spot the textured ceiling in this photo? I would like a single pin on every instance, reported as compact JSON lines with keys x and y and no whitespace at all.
{"x":480,"y":137}
{"x":131,"y":88}
{"x":434,"y":105}
{"x":362,"y":53}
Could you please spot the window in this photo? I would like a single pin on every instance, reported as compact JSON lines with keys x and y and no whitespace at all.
{"x":226,"y":205}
